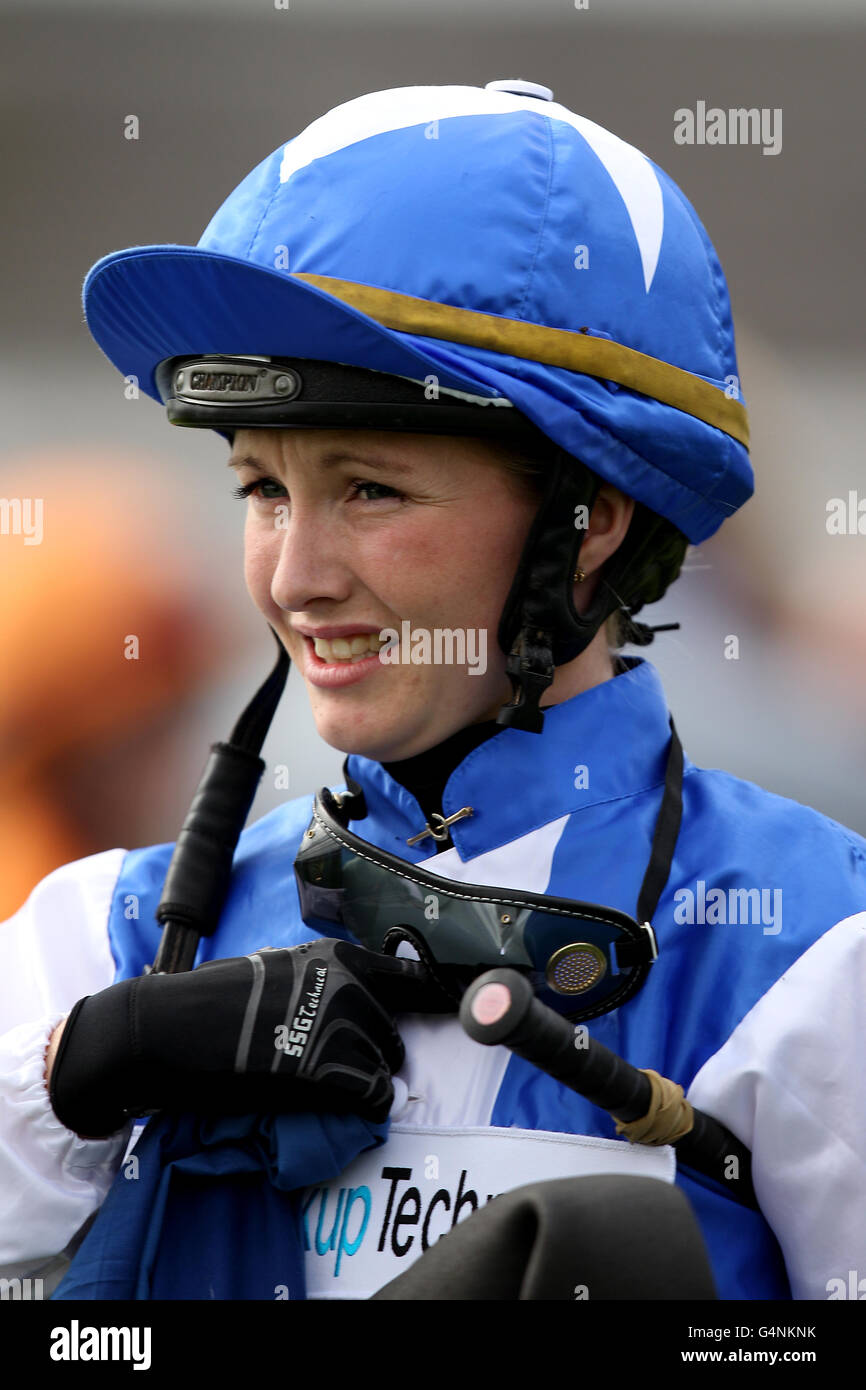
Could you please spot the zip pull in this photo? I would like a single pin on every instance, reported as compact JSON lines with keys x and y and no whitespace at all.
{"x":443,"y":823}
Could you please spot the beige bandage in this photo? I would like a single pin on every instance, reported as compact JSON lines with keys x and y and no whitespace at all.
{"x":668,"y":1118}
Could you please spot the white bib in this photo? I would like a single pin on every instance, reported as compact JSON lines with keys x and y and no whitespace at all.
{"x":392,"y":1203}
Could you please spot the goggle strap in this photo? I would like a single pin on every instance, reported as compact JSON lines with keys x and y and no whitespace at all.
{"x":666,"y":831}
{"x":392,"y":940}
{"x":630,"y":953}
{"x":352,"y":801}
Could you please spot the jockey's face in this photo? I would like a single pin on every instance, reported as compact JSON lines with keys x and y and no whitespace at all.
{"x":351,"y":533}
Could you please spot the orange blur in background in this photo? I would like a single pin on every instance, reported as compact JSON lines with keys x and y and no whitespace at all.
{"x":86,"y":727}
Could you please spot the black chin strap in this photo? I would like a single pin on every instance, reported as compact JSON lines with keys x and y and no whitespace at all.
{"x":540,"y":627}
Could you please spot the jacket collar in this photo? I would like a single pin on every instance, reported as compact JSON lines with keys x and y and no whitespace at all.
{"x":607,"y":743}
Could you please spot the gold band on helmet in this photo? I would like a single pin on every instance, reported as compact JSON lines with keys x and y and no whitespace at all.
{"x":555,"y":347}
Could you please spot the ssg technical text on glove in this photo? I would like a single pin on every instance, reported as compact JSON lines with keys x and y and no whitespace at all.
{"x":300,"y":1028}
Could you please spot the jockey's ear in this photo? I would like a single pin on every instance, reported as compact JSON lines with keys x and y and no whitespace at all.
{"x":609,"y":521}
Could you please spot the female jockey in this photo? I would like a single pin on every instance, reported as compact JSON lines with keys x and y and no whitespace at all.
{"x":474,"y":358}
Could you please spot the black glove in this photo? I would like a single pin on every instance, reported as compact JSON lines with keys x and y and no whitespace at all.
{"x":300,"y":1028}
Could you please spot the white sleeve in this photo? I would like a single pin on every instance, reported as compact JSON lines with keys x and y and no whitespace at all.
{"x":53,"y":951}
{"x":790,"y":1084}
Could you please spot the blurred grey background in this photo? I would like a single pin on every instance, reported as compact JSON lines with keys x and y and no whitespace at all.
{"x":217,"y":86}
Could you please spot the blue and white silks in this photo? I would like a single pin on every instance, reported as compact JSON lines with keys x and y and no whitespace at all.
{"x":755,"y":1005}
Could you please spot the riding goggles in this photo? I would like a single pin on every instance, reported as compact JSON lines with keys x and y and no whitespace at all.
{"x":582,"y":959}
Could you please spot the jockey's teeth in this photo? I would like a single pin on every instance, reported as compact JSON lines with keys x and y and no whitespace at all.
{"x":347,"y":648}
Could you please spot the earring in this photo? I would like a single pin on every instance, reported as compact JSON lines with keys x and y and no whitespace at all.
{"x":579,"y":576}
